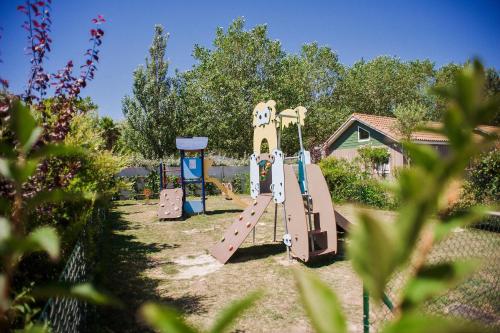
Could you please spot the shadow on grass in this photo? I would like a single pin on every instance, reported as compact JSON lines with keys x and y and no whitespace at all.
{"x":257,"y":252}
{"x":124,"y":261}
{"x":223,"y":211}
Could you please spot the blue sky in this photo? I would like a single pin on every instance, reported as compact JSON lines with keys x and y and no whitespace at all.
{"x":442,"y":31}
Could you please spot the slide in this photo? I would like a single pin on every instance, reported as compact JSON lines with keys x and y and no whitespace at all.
{"x":227,"y":192}
{"x":235,"y":235}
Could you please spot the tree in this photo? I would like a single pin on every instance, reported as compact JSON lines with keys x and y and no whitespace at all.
{"x":409,"y":117}
{"x":221,"y":90}
{"x":378,"y":86}
{"x":110,"y":132}
{"x":310,"y":79}
{"x":153,"y":113}
{"x":246,"y":67}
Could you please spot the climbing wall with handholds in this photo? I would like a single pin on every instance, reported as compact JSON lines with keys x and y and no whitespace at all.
{"x":295,"y":216}
{"x":170,"y":205}
{"x":324,"y":233}
{"x":235,"y":235}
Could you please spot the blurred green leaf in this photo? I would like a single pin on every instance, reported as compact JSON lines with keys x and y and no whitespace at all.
{"x":419,"y":323}
{"x":53,"y":150}
{"x":165,"y":319}
{"x":23,"y":123}
{"x":422,"y":155}
{"x":46,"y":239}
{"x":461,"y":219}
{"x":5,"y":168}
{"x":32,"y":139}
{"x":57,"y":196}
{"x":5,"y":229}
{"x":434,"y":280}
{"x":321,"y":303}
{"x":373,"y":253}
{"x":231,"y":312}
{"x":82,"y":291}
{"x":20,"y":174}
{"x":37,"y":328}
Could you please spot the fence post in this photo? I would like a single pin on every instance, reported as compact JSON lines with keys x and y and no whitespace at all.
{"x":366,"y":311}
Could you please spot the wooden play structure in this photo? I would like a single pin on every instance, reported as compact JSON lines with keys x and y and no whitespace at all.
{"x":194,"y":170}
{"x":309,"y":219}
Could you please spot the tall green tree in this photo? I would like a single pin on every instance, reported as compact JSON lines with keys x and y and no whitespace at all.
{"x":379,"y":85}
{"x":228,"y":80}
{"x":153,"y":112}
{"x":410,"y":116}
{"x":245,"y":67}
{"x":310,"y":79}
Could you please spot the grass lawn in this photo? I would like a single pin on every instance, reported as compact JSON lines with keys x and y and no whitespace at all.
{"x":168,"y":261}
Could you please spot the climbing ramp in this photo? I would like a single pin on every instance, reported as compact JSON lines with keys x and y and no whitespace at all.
{"x":170,"y":205}
{"x":235,"y":235}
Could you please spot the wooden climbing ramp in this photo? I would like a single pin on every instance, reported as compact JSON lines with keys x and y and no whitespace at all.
{"x":170,"y":205}
{"x":235,"y":235}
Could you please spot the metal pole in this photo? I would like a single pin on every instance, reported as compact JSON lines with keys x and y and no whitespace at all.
{"x":286,"y":232}
{"x":366,"y":311}
{"x":253,"y":236}
{"x":161,"y":175}
{"x":275,"y":221}
{"x":203,"y":180}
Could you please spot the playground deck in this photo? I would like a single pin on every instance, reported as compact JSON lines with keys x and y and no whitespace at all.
{"x":168,"y":261}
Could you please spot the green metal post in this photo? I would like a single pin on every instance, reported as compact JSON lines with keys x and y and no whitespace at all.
{"x":366,"y":311}
{"x":387,"y":302}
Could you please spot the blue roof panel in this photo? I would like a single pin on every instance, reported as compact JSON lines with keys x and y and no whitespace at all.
{"x":194,"y":143}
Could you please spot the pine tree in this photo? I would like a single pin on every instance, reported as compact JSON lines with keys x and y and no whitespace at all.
{"x":153,"y":111}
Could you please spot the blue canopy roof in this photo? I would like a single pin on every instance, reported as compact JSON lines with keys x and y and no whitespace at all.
{"x":194,"y":143}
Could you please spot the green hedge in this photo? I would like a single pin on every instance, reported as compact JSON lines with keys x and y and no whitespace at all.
{"x":349,"y":183}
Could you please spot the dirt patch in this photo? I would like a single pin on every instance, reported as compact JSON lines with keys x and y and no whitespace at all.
{"x":196,"y":266}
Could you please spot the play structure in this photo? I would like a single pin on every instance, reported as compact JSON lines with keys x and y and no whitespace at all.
{"x":309,"y":219}
{"x":194,"y":169}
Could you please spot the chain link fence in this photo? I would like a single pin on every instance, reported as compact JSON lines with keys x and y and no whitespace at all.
{"x":475,"y":299}
{"x":64,"y":314}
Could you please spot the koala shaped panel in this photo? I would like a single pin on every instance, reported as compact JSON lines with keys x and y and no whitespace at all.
{"x":264,"y":126}
{"x":254,"y":177}
{"x":278,"y":185}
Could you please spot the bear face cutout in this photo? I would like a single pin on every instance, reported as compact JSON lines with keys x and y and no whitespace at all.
{"x":263,"y":116}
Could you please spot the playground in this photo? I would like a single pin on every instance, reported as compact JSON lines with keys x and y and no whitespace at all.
{"x":169,"y":261}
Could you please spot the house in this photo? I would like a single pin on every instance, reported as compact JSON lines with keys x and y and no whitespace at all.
{"x":379,"y":131}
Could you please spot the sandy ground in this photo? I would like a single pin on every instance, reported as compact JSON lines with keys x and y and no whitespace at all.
{"x":168,"y":261}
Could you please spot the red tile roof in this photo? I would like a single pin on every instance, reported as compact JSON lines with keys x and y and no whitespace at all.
{"x":388,"y":127}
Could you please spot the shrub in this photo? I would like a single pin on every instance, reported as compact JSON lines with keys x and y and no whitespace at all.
{"x":241,"y":183}
{"x":483,"y":182}
{"x":373,"y":158}
{"x":347,"y":182}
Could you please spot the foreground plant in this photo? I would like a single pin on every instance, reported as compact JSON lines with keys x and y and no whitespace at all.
{"x":18,"y":164}
{"x":378,"y":249}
